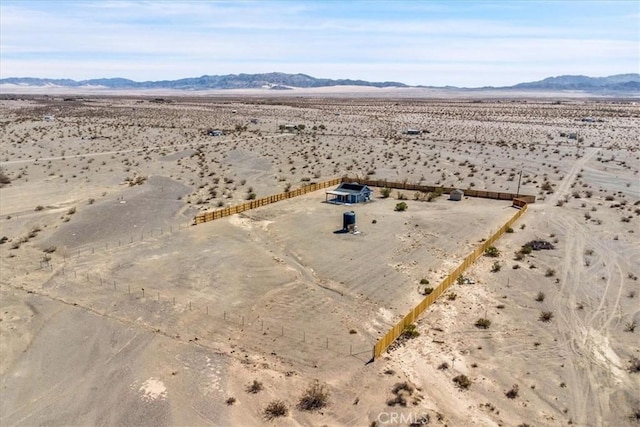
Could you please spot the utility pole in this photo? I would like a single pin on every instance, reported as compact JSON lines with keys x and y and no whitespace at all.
{"x":519,"y":180}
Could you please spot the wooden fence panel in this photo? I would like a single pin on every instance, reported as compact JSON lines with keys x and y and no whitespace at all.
{"x":397,"y":329}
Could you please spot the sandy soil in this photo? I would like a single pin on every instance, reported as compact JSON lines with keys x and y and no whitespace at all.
{"x":115,"y":310}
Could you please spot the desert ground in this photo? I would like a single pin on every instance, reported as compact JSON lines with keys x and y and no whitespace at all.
{"x":115,"y":309}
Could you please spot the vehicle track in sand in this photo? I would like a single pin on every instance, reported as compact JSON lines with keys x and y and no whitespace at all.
{"x":586,"y":306}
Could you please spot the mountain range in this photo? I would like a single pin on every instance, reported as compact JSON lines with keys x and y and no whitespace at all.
{"x":620,"y":83}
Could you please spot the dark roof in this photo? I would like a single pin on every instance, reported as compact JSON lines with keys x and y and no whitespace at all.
{"x":352,"y":187}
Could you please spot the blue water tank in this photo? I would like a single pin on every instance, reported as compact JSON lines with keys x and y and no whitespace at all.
{"x":348,"y":218}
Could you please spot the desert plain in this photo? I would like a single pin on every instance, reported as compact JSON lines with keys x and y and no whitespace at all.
{"x":116,"y":309}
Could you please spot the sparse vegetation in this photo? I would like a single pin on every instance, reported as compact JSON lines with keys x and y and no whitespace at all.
{"x":546,"y":316}
{"x":513,"y":392}
{"x":276,"y":409}
{"x":462,"y":381}
{"x":255,"y":387}
{"x":410,"y":331}
{"x":492,"y":251}
{"x":482,"y":323}
{"x":401,"y":207}
{"x":315,"y":397}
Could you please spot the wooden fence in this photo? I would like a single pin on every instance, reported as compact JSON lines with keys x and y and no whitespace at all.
{"x":210,"y":216}
{"x":384,"y":342}
{"x":430,"y":188}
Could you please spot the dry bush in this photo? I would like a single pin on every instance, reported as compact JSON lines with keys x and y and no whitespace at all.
{"x":540,"y":296}
{"x":275,"y":409}
{"x":513,"y":393}
{"x":482,"y":323}
{"x":401,"y":392}
{"x":315,"y":397}
{"x":255,"y":387}
{"x":546,"y":316}
{"x":462,"y":381}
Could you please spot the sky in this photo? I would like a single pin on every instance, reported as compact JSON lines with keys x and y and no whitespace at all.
{"x":433,"y":43}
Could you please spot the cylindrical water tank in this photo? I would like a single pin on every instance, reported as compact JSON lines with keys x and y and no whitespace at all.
{"x":348,"y":218}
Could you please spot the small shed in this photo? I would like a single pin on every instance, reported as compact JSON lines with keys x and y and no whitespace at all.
{"x":456,"y":195}
{"x":348,"y":193}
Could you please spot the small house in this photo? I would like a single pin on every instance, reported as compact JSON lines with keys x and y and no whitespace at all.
{"x":456,"y":195}
{"x":413,"y":132}
{"x":348,"y":193}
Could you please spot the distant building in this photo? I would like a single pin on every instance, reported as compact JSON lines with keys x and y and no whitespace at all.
{"x":413,"y":132}
{"x":254,"y":121}
{"x":348,"y":193}
{"x":572,"y":135}
{"x":589,"y":120}
{"x":48,"y":118}
{"x":215,"y":132}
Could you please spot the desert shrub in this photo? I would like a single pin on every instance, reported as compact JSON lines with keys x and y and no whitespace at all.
{"x":230,"y":401}
{"x":398,"y":399}
{"x":275,"y":409}
{"x":434,"y":194}
{"x":427,"y":290}
{"x":251,"y":196}
{"x":315,"y":397}
{"x":400,"y":392}
{"x":630,"y":326}
{"x":400,"y":207}
{"x":546,"y":316}
{"x":526,"y":250}
{"x":452,"y":296}
{"x":509,"y":230}
{"x":495,"y":267}
{"x":424,"y":281}
{"x":513,"y":393}
{"x":71,"y":211}
{"x":540,"y":296}
{"x":634,"y":365}
{"x":443,"y":366}
{"x":492,"y":252}
{"x":255,"y":387}
{"x":39,"y":208}
{"x":423,"y":420}
{"x":49,"y":249}
{"x":410,"y":331}
{"x":550,"y":272}
{"x":401,"y":196}
{"x":462,"y":381}
{"x":546,"y":186}
{"x":4,"y":179}
{"x":482,"y":323}
{"x":385,"y":192}
{"x":403,"y":386}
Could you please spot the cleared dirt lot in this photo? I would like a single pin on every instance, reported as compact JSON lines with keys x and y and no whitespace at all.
{"x":115,"y":310}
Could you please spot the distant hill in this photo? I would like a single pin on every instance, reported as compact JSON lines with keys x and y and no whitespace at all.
{"x":619,"y":84}
{"x":276,"y":81}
